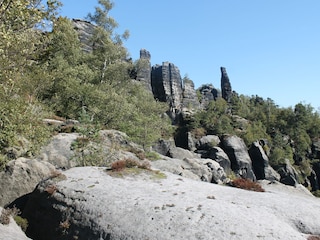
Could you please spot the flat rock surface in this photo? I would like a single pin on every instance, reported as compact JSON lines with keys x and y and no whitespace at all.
{"x":148,"y":206}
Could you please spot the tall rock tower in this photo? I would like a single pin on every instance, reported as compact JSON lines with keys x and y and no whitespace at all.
{"x":225,"y":85}
{"x":144,"y":69}
{"x":167,"y":86}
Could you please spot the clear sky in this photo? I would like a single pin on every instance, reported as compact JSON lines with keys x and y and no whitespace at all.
{"x":270,"y":48}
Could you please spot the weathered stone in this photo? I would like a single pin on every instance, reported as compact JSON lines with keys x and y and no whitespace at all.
{"x":316,"y":170}
{"x":190,"y":98}
{"x":59,"y":151}
{"x":315,"y":148}
{"x":85,"y":31}
{"x":225,"y":85}
{"x":288,"y":175}
{"x":260,"y":163}
{"x":206,"y":170}
{"x":144,"y":69}
{"x":163,"y":147}
{"x":167,"y":86}
{"x":237,"y":152}
{"x":21,"y":176}
{"x":180,"y":153}
{"x":208,"y":93}
{"x":207,"y":142}
{"x":218,"y":155}
{"x":191,"y":142}
{"x":90,"y":204}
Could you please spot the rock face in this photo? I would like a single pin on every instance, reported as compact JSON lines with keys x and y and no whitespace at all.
{"x":58,"y":152}
{"x":225,"y":85}
{"x":190,"y":98}
{"x":237,"y":152}
{"x":288,"y":175}
{"x":85,"y":30}
{"x":260,"y":163}
{"x":90,"y":204}
{"x":167,"y":86}
{"x":208,"y":93}
{"x":218,"y":155}
{"x":21,"y":176}
{"x":205,"y":170}
{"x":144,"y":69}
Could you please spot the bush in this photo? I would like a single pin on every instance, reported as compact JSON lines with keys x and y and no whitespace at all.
{"x":313,"y":237}
{"x":247,"y":184}
{"x":118,"y":165}
{"x":129,"y":163}
{"x":152,"y":156}
{"x":22,"y":222}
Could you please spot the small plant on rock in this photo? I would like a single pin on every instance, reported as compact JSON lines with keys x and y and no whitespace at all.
{"x":246,"y":184}
{"x":129,"y":163}
{"x":14,"y":213}
{"x":118,"y":165}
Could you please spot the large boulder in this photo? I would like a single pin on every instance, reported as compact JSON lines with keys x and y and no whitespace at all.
{"x":205,"y":170}
{"x":208,"y":93}
{"x":218,"y":155}
{"x":238,"y":154}
{"x":207,"y":142}
{"x":21,"y":176}
{"x":59,"y":151}
{"x":288,"y":174}
{"x":260,"y":163}
{"x":91,"y":204}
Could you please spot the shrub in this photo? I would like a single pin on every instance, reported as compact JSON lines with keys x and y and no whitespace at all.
{"x":118,"y":165}
{"x":313,"y":237}
{"x":152,"y":155}
{"x":129,"y":163}
{"x":247,"y":184}
{"x":22,"y":222}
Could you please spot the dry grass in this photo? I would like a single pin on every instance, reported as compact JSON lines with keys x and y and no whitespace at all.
{"x":129,"y":163}
{"x":313,"y":237}
{"x":6,"y":213}
{"x":246,"y":184}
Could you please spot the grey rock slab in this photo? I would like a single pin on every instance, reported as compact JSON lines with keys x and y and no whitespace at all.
{"x":143,"y":207}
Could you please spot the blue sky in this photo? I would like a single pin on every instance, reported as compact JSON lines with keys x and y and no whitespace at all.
{"x":270,"y":48}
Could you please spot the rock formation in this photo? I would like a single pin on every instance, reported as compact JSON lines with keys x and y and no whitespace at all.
{"x":91,"y":204}
{"x":85,"y":31}
{"x":260,"y":163}
{"x":190,"y":99}
{"x":225,"y":85}
{"x":208,"y":93}
{"x":144,"y":69}
{"x":237,"y":152}
{"x":21,"y":176}
{"x":167,"y":86}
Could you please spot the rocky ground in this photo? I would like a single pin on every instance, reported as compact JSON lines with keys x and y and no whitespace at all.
{"x":184,"y":197}
{"x":148,"y":205}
